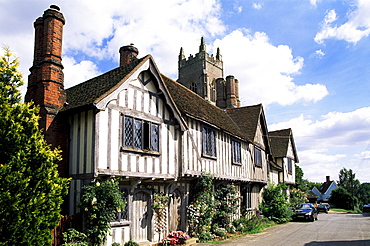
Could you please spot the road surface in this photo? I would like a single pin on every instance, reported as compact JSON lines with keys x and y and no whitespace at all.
{"x":329,"y":230}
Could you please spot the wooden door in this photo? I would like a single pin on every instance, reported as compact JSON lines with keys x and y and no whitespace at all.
{"x":175,"y":211}
{"x":141,"y":217}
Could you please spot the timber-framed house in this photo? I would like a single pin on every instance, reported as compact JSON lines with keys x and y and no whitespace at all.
{"x":155,"y":133}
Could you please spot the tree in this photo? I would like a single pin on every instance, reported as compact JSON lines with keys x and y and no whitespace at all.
{"x":341,"y":198}
{"x":297,"y":197}
{"x":274,"y":204}
{"x":363,"y":193}
{"x":300,"y":183}
{"x":347,"y":179}
{"x":31,"y":191}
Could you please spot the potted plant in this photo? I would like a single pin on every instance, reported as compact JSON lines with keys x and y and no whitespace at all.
{"x":160,"y":201}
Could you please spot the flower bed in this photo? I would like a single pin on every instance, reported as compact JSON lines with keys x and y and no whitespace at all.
{"x":175,"y":238}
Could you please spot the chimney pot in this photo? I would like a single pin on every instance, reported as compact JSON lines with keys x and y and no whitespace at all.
{"x":128,"y":54}
{"x":53,"y":6}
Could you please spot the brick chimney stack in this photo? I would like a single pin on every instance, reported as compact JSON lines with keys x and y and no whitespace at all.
{"x":46,"y":80}
{"x":127,"y":54}
{"x":327,"y":178}
{"x":232,"y":92}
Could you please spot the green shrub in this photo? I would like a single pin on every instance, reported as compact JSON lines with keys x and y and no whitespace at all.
{"x":72,"y":237}
{"x":99,"y":204}
{"x":131,"y":243}
{"x":205,"y":236}
{"x":221,"y":232}
{"x":274,"y":204}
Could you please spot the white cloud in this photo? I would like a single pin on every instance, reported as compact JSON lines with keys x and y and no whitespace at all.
{"x":344,"y":134}
{"x":261,"y":66}
{"x":72,"y":71}
{"x":319,"y":54}
{"x":96,"y":30}
{"x":257,"y":5}
{"x":313,"y":2}
{"x":365,"y":155}
{"x":335,"y":129}
{"x":159,"y":27}
{"x":317,"y":164}
{"x":356,"y":27}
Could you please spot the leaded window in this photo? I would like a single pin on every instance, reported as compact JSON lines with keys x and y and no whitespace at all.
{"x":209,"y":142}
{"x":155,"y":137}
{"x":140,"y":134}
{"x":128,"y":132}
{"x":236,"y":151}
{"x":257,"y":156}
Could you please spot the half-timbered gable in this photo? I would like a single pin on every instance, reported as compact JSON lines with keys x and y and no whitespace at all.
{"x":285,"y":154}
{"x":252,"y":123}
{"x":125,"y":124}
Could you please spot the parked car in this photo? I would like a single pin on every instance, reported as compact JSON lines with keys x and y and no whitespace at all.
{"x":305,"y":211}
{"x":322,"y":208}
{"x":327,"y":205}
{"x":366,"y":208}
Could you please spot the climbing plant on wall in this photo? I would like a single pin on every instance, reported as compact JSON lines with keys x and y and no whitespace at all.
{"x":99,"y":203}
{"x":227,"y":206}
{"x":202,"y":207}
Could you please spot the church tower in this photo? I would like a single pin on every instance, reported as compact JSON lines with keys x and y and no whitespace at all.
{"x":203,"y":74}
{"x":200,"y":72}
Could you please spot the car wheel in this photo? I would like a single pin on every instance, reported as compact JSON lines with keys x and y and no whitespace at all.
{"x":312,"y":219}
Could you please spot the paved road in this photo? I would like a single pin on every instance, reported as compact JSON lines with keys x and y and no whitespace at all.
{"x":329,"y":230}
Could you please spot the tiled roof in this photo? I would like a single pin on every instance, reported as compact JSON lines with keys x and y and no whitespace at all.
{"x":325,"y":186}
{"x":191,"y":104}
{"x":280,"y":142}
{"x":91,"y":91}
{"x":247,"y":119}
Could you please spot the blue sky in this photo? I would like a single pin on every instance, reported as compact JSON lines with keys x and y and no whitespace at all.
{"x":306,"y":61}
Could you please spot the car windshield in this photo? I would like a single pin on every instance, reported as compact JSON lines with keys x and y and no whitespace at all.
{"x":304,"y":206}
{"x":322,"y":206}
